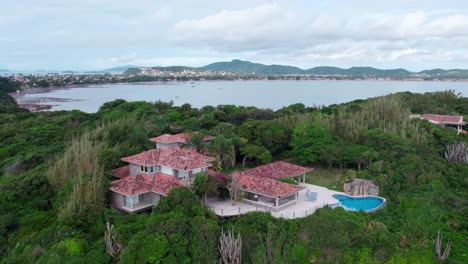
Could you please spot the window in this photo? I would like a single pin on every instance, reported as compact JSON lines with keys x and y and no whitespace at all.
{"x":152,"y":168}
{"x":131,"y":200}
{"x":183,"y":174}
{"x":145,"y":168}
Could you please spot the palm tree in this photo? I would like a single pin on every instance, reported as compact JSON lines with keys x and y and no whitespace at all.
{"x":196,"y":140}
{"x":223,"y":150}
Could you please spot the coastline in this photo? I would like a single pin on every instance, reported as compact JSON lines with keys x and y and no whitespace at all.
{"x":36,"y":104}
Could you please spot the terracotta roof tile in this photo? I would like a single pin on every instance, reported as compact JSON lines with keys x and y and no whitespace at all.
{"x":277,"y":169}
{"x":264,"y":185}
{"x":121,"y":172}
{"x":164,"y":183}
{"x":442,"y":118}
{"x":142,"y":183}
{"x":265,"y":179}
{"x":132,"y":185}
{"x":177,"y":138}
{"x":181,"y":159}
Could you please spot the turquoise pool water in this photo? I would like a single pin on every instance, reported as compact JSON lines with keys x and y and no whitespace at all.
{"x":367,"y":204}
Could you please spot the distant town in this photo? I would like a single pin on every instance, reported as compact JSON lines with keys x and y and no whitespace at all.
{"x":234,"y":70}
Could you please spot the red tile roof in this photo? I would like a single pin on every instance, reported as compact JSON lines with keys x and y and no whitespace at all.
{"x":442,"y":118}
{"x":164,"y":183}
{"x":149,"y":157}
{"x":177,"y":138}
{"x":121,"y":172}
{"x":142,"y":183}
{"x":277,"y":169}
{"x":180,"y":159}
{"x":264,"y":185}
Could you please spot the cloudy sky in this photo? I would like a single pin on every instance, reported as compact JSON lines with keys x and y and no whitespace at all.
{"x":97,"y":34}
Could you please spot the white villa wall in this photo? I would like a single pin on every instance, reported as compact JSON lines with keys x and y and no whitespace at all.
{"x":271,"y":208}
{"x":166,"y":170}
{"x":135,"y":169}
{"x":183,"y":174}
{"x":118,"y":200}
{"x":168,"y":145}
{"x":156,"y":198}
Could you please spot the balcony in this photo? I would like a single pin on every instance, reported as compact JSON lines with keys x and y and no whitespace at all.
{"x":137,"y":207}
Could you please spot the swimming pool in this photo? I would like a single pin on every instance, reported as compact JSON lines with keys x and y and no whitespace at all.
{"x":367,"y":204}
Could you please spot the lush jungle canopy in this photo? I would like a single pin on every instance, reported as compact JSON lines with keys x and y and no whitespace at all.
{"x":54,"y":179}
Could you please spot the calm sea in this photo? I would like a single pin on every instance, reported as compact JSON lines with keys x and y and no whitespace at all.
{"x":262,"y":94}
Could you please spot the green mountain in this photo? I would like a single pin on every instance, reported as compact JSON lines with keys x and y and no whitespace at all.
{"x":173,"y":68}
{"x":250,"y":67}
{"x":441,"y":73}
{"x":369,"y":71}
{"x":247,"y":67}
{"x":258,"y":68}
{"x":325,"y":70}
{"x":433,"y":72}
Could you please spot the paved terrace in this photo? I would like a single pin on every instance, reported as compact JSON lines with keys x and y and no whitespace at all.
{"x":302,"y":208}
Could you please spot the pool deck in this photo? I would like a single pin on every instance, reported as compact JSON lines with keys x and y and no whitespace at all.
{"x":302,"y":208}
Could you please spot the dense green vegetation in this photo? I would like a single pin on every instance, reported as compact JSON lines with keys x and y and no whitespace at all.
{"x":53,"y":186}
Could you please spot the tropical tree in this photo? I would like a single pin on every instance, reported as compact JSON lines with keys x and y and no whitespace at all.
{"x":259,"y":153}
{"x":274,"y":137}
{"x":203,"y":186}
{"x":308,"y":140}
{"x":224,"y":150}
{"x":146,"y":248}
{"x":196,"y":140}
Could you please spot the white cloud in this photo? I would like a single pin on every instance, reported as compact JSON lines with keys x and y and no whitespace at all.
{"x":91,"y":33}
{"x":275,"y":31}
{"x":126,"y":59}
{"x":396,"y":54}
{"x":254,"y":28}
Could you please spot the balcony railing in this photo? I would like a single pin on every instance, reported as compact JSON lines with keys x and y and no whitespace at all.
{"x":138,"y":206}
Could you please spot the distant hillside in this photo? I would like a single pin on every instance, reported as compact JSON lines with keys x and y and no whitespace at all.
{"x":325,"y":70}
{"x":250,"y":67}
{"x":247,"y":67}
{"x":173,"y":68}
{"x":368,"y":71}
{"x":453,"y":73}
{"x":434,"y":71}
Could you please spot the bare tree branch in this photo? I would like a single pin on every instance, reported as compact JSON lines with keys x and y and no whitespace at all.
{"x":230,"y":248}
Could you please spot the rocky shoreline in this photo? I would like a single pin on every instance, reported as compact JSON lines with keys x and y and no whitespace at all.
{"x":37,"y":104}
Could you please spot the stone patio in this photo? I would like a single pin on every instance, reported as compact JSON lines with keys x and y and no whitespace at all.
{"x":302,"y":208}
